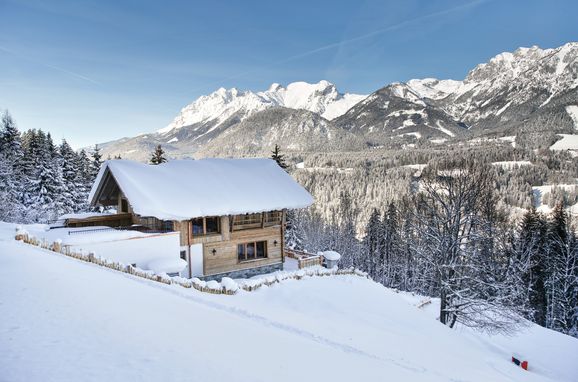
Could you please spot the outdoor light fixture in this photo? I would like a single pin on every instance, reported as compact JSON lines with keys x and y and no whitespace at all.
{"x":275,"y":243}
{"x":214,"y":251}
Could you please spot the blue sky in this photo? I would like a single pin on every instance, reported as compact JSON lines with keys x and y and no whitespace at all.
{"x":92,"y":71}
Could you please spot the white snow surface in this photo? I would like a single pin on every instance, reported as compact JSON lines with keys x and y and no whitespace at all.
{"x":83,"y":215}
{"x":510,"y":138}
{"x":433,"y":88}
{"x":512,"y":164}
{"x":444,"y":130}
{"x":149,"y":251}
{"x":572,"y":111}
{"x":568,"y":142}
{"x":185,"y":189}
{"x":331,"y":255}
{"x":167,"y":265}
{"x":540,"y":191}
{"x":67,"y":320}
{"x":82,"y":235}
{"x":322,"y":98}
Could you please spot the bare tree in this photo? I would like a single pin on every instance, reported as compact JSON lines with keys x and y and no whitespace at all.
{"x":454,"y":218}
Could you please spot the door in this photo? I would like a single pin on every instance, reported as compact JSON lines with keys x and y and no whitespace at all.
{"x":196,"y":256}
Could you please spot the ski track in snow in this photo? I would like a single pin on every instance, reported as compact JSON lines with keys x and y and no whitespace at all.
{"x":242,"y":313}
{"x":297,"y":323}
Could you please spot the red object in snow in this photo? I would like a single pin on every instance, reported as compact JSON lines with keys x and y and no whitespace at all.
{"x":522,"y":364}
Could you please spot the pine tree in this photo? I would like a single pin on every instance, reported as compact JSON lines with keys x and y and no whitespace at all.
{"x":73,"y":177}
{"x":10,"y":140}
{"x":533,"y":247}
{"x":12,"y":176}
{"x":8,"y":198}
{"x":279,"y":158}
{"x":392,"y":269}
{"x":373,"y":246}
{"x":96,"y":162}
{"x":294,"y":229}
{"x":158,"y":156}
{"x":84,"y":167}
{"x":47,"y":197}
{"x":562,"y":273}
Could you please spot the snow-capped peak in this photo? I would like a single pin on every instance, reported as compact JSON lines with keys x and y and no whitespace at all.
{"x":322,"y":98}
{"x":433,"y":88}
{"x":274,"y":87}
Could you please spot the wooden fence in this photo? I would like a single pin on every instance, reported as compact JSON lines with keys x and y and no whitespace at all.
{"x":304,"y":259}
{"x":227,"y":286}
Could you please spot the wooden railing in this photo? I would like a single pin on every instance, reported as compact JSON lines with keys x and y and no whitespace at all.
{"x":304,"y":259}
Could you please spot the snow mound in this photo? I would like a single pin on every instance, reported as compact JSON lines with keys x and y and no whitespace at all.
{"x":167,"y":265}
{"x":331,"y":255}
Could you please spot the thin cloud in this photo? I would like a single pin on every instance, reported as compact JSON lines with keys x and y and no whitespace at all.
{"x":383,"y":30}
{"x":341,"y":43}
{"x":57,"y":68}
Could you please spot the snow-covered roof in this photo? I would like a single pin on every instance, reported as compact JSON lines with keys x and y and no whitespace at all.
{"x":83,"y":215}
{"x":185,"y":189}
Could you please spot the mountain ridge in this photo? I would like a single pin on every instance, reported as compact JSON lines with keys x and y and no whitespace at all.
{"x":513,"y":92}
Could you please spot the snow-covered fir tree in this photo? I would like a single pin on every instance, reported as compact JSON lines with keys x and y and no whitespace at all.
{"x":96,"y":162}
{"x":278,"y":157}
{"x":39,"y":180}
{"x":158,"y":156}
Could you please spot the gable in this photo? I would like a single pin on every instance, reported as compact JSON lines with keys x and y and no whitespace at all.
{"x":185,"y":189}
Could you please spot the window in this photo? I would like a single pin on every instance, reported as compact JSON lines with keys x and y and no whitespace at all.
{"x":247,"y":221}
{"x":252,"y":251}
{"x":261,"y":252}
{"x":212,"y":225}
{"x":241,"y":252}
{"x":273,"y":218}
{"x":198,"y":226}
{"x":184,"y":255}
{"x":167,"y":225}
{"x":123,"y":205}
{"x":206,"y":226}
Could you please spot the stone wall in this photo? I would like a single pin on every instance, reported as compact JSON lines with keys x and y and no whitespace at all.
{"x":246,"y":273}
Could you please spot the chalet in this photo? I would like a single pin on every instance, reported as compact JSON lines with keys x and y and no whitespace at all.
{"x":230,"y":213}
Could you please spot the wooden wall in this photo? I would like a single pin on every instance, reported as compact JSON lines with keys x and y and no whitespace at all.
{"x":225,"y":259}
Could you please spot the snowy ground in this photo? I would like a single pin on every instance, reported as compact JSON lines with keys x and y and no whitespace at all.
{"x":510,"y":165}
{"x":540,"y":191}
{"x":66,"y":320}
{"x":568,"y":142}
{"x":157,"y":252}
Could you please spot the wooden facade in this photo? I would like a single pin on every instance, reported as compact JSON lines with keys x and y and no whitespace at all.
{"x":221,"y":250}
{"x":114,"y":220}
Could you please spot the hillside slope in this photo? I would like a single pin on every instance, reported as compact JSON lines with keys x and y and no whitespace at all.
{"x":67,"y":320}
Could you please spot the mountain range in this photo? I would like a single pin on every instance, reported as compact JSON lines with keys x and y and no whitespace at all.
{"x":529,"y":90}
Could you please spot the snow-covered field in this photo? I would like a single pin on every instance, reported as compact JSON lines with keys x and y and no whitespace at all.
{"x":540,"y":191}
{"x":158,"y":252}
{"x":67,"y":320}
{"x":568,"y":142}
{"x":509,"y":165}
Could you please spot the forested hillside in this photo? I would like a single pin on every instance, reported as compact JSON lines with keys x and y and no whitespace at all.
{"x":449,"y":232}
{"x":41,"y":180}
